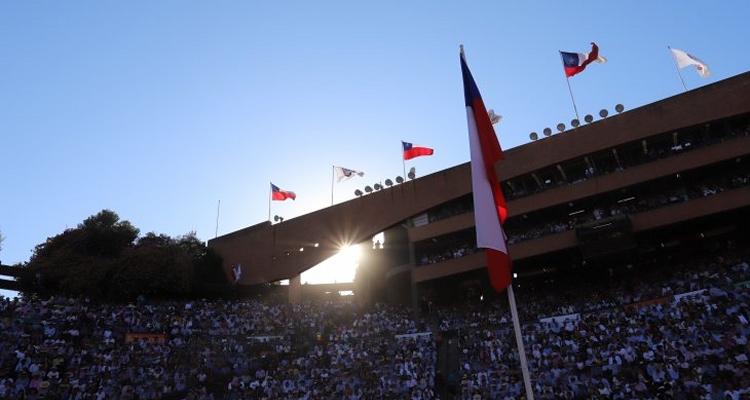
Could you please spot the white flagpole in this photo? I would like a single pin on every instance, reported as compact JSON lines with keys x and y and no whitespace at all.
{"x":218,"y":207}
{"x":270,"y":193}
{"x":333,"y":176}
{"x":403,"y":162}
{"x":519,"y":342}
{"x":678,"y":68}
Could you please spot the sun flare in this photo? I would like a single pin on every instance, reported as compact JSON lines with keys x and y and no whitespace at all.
{"x":337,"y":269}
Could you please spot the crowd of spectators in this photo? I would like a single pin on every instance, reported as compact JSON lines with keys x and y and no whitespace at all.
{"x":703,"y":188}
{"x":448,"y":254}
{"x":683,"y":192}
{"x":566,"y":223}
{"x":663,"y":330}
{"x":675,"y":332}
{"x":657,"y":150}
{"x":73,"y":348}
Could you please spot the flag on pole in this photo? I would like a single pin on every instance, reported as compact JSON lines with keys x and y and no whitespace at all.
{"x":343,"y":174}
{"x":281,"y":195}
{"x":412,"y":151}
{"x":236,"y":272}
{"x":684,"y":59}
{"x":577,"y":62}
{"x":489,"y":203}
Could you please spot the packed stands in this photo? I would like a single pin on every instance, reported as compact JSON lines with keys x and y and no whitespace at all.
{"x":672,"y":327}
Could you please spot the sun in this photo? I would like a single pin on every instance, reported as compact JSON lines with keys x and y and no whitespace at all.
{"x":337,"y":269}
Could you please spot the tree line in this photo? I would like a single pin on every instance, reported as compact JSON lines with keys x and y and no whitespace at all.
{"x":105,"y":258}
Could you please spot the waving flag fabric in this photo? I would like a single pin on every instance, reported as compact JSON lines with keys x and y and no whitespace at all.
{"x":577,"y":62}
{"x":411,"y":151}
{"x":237,"y":272}
{"x":281,"y":195}
{"x":343,"y":174}
{"x":489,"y":203}
{"x":684,"y":60}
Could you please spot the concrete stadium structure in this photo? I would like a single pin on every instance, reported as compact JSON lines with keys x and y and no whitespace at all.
{"x":593,"y":192}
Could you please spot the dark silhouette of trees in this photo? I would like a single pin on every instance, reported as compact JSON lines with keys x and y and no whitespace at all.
{"x":104,"y":258}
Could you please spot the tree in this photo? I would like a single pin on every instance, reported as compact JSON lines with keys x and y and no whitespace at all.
{"x":106,"y":235}
{"x":206,"y":261}
{"x":81,"y":260}
{"x":103,"y":257}
{"x":209,"y":278}
{"x":162,"y":270}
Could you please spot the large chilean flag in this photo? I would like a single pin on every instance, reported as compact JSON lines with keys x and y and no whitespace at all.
{"x":574,"y":63}
{"x":489,"y":203}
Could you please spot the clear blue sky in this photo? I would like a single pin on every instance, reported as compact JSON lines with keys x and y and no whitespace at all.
{"x":159,"y":110}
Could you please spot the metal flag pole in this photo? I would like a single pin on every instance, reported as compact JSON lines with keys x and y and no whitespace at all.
{"x":403,"y":161}
{"x":519,"y":343}
{"x":218,"y":207}
{"x":333,"y":176}
{"x":270,"y":194}
{"x":677,"y":67}
{"x":570,"y":90}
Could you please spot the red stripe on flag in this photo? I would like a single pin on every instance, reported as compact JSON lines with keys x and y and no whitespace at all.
{"x":499,"y":266}
{"x":491,"y":153}
{"x":417,"y":152}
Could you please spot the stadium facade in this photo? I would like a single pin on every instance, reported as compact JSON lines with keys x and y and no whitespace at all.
{"x":605,"y":193}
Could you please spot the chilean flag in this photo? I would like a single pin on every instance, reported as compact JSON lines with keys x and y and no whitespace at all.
{"x":411,"y":151}
{"x":489,"y":203}
{"x":577,"y":62}
{"x":281,"y":195}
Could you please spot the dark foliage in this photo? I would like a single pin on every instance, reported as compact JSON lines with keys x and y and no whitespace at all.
{"x":103,"y":258}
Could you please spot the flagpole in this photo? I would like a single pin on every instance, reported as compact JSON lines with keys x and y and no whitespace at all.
{"x":677,"y":67}
{"x":269,"y":203}
{"x":403,"y":162}
{"x":333,"y":174}
{"x":570,"y":90}
{"x":519,"y":343}
{"x":218,"y":207}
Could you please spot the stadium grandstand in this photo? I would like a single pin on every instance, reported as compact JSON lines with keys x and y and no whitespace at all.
{"x":608,"y":192}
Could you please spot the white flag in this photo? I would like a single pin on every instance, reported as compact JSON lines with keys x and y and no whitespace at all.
{"x":344,"y":173}
{"x":684,"y":59}
{"x":237,"y":272}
